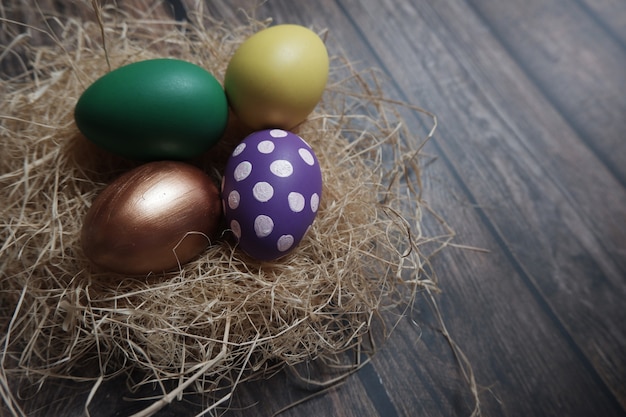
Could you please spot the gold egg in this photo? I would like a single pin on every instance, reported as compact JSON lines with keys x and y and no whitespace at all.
{"x":152,"y":219}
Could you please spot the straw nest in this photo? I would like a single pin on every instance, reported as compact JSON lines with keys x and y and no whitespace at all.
{"x":223,"y":317}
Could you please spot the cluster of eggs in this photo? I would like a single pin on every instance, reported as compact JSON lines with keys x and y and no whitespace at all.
{"x":166,"y":111}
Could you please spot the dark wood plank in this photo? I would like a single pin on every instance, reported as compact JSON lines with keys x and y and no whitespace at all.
{"x":610,"y":15}
{"x":558,"y":250}
{"x":568,"y":55}
{"x":580,"y":95}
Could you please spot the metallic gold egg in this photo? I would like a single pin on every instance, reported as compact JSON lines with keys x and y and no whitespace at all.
{"x":152,"y":219}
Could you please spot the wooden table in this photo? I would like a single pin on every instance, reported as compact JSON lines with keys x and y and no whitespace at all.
{"x":529,"y":164}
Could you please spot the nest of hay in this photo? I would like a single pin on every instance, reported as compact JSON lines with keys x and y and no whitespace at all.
{"x":223,"y":317}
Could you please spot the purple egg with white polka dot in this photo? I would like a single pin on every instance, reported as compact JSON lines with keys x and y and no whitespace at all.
{"x":271,"y":192}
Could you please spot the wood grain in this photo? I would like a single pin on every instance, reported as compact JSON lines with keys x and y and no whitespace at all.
{"x":555,"y":43}
{"x":528,"y":164}
{"x":520,"y":206}
{"x":609,"y":15}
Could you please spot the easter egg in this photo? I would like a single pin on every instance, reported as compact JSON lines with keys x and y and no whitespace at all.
{"x":152,"y":219}
{"x":271,"y":192}
{"x":154,"y":109}
{"x":277,"y":77}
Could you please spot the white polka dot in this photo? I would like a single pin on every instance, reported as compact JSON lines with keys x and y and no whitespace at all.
{"x":233,"y":199}
{"x":236,"y":228}
{"x":239,"y":149}
{"x":296,"y":202}
{"x":263,"y":191}
{"x":278,"y":133}
{"x":306,"y":156}
{"x":242,"y":171}
{"x":281,"y":168}
{"x":263,"y":225}
{"x":266,"y":146}
{"x":315,"y":202}
{"x":285,"y":242}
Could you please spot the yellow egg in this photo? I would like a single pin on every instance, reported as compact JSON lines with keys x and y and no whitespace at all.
{"x":277,"y":77}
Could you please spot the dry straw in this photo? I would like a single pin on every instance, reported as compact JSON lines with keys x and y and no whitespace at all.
{"x":223,"y":318}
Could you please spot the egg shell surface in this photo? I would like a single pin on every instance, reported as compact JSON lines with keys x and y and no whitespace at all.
{"x":152,"y":218}
{"x":154,"y":110}
{"x":277,"y":76}
{"x":271,"y":192}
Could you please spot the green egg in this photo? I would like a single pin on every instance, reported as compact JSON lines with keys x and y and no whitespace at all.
{"x":154,"y":109}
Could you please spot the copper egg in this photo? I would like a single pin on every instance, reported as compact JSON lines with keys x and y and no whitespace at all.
{"x":152,"y":219}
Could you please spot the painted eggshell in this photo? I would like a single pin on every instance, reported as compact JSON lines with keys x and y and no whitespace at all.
{"x":271,"y":192}
{"x":277,"y":77}
{"x":154,"y":110}
{"x":152,"y":219}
